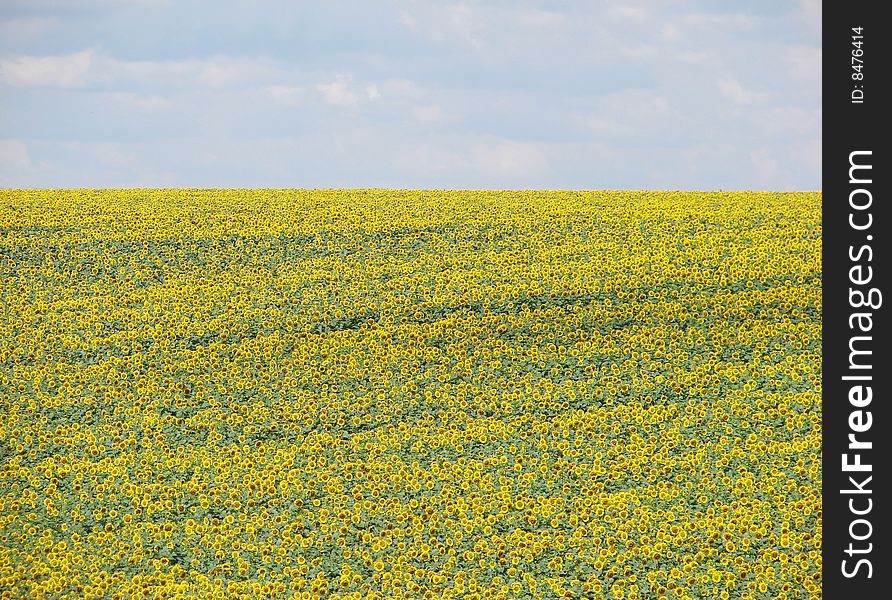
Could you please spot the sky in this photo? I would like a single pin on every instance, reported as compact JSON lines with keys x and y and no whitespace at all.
{"x":506,"y":94}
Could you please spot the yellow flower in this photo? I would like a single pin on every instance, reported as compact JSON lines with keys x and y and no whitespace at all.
{"x":283,"y":378}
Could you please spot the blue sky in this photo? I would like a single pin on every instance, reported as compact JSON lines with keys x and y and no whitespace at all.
{"x":664,"y":94}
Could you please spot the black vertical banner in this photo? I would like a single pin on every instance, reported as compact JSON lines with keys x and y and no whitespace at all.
{"x":856,"y":263}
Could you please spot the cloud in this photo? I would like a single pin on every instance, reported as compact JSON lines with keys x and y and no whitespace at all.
{"x":605,"y":126}
{"x":338,"y":92}
{"x":401,"y":88}
{"x":733,"y":90}
{"x":502,"y":158}
{"x":143,"y":102}
{"x":102,"y":154}
{"x":811,"y":12}
{"x":623,"y":11}
{"x":407,"y":20}
{"x":65,"y":71}
{"x":14,"y":155}
{"x":812,"y":155}
{"x":694,"y":25}
{"x":216,"y":71}
{"x":630,"y":114}
{"x":805,"y":62}
{"x":288,"y":95}
{"x":70,"y":5}
{"x":446,"y":23}
{"x":785,"y":122}
{"x":766,"y":167}
{"x":89,"y":67}
{"x":535,"y":18}
{"x":342,"y":92}
{"x":427,"y":114}
{"x":422,"y":93}
{"x":25,"y":29}
{"x":463,"y":21}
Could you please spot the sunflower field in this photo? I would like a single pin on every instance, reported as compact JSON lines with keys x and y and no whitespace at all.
{"x":410,"y":394}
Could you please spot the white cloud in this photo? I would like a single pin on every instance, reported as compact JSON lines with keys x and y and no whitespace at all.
{"x":812,"y":155}
{"x":502,"y":158}
{"x":427,"y":114}
{"x":606,"y":126}
{"x":713,"y":21}
{"x":14,"y":155}
{"x":535,"y":18}
{"x":629,"y":112}
{"x":66,"y":71}
{"x":287,"y":95}
{"x":695,"y":25}
{"x":400,"y":88}
{"x":16,"y":31}
{"x":765,"y":165}
{"x":408,"y":21}
{"x":83,"y":4}
{"x":785,"y":122}
{"x":341,"y":92}
{"x":464,"y":21}
{"x":447,"y":23}
{"x":143,"y":102}
{"x":805,"y":62}
{"x":734,"y":91}
{"x":693,"y":57}
{"x":104,"y":154}
{"x":226,"y":71}
{"x":216,"y":71}
{"x":624,"y":11}
{"x":640,"y":103}
{"x":671,"y":32}
{"x":338,"y":92}
{"x":810,"y":12}
{"x":81,"y":69}
{"x":541,"y":94}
